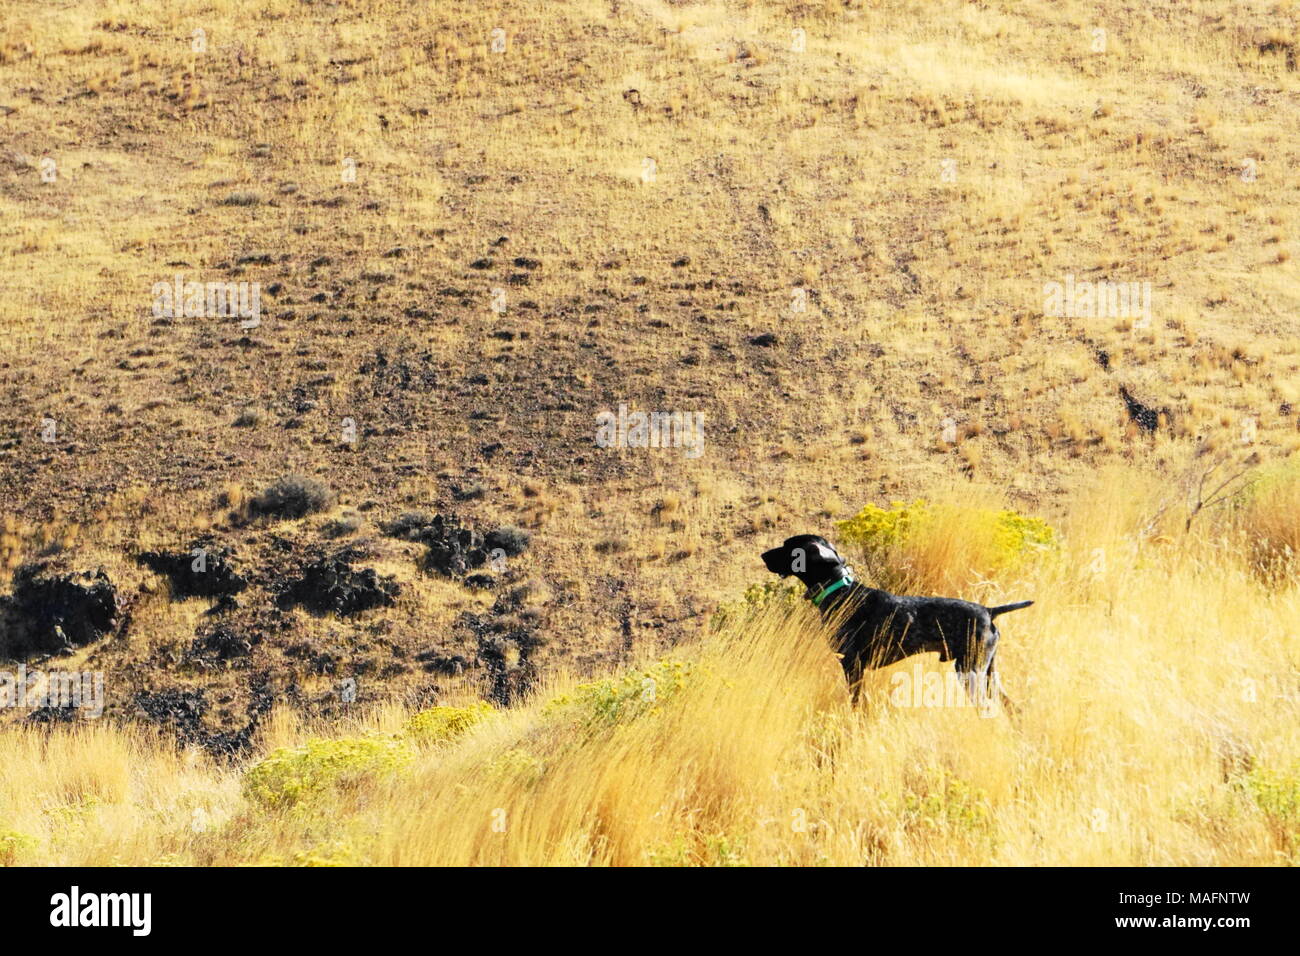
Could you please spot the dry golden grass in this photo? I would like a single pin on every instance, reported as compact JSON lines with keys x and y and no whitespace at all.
{"x":1157,"y":685}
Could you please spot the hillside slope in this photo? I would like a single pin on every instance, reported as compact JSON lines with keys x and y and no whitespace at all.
{"x":828,"y":228}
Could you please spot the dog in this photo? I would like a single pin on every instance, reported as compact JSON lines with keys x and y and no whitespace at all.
{"x":882,"y":628}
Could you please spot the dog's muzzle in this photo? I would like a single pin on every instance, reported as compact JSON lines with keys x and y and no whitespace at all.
{"x":777,"y":561}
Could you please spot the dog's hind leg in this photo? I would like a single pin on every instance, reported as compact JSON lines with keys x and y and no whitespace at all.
{"x":995,"y":683}
{"x":974,"y":664}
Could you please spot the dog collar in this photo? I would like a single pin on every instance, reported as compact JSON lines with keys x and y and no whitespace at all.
{"x":831,"y":589}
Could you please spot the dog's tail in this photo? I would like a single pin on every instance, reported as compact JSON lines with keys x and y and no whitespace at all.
{"x":1003,"y":608}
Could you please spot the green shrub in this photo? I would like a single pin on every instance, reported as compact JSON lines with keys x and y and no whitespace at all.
{"x":942,"y":800}
{"x":518,"y":765}
{"x":626,"y":697}
{"x":718,"y":849}
{"x":773,"y":593}
{"x":446,"y":723}
{"x":13,"y":843}
{"x":293,"y":496}
{"x":1277,"y":793}
{"x":291,"y":774}
{"x":1266,"y":514}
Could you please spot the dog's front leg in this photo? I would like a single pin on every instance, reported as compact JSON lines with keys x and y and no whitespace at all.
{"x":853,"y":676}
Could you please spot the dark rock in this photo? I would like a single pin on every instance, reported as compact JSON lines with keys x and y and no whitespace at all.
{"x":320,"y":660}
{"x":407,"y":368}
{"x":49,"y":714}
{"x":181,"y":711}
{"x":53,"y":610}
{"x":203,"y":571}
{"x":468,"y":492}
{"x":513,"y":541}
{"x":510,"y":682}
{"x":224,"y":605}
{"x":1145,"y":417}
{"x":441,"y":663}
{"x":413,"y":526}
{"x":332,"y":585}
{"x":222,"y":644}
{"x":452,"y":549}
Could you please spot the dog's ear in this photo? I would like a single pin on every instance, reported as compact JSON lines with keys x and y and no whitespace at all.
{"x":823,"y":551}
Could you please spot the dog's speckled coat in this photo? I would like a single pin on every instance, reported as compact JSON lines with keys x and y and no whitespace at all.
{"x":884,"y":628}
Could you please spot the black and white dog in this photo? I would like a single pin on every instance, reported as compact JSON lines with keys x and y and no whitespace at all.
{"x":883,"y":628}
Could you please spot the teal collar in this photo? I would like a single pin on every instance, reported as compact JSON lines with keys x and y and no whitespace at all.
{"x":832,"y":588}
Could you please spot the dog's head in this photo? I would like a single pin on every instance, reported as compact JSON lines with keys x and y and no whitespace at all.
{"x":808,"y":557}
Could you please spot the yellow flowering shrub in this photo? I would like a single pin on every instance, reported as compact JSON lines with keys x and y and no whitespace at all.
{"x":877,"y":529}
{"x":627,"y":696}
{"x":916,"y":544}
{"x":291,"y":774}
{"x":1020,"y":535}
{"x":446,"y":723}
{"x":337,"y":853}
